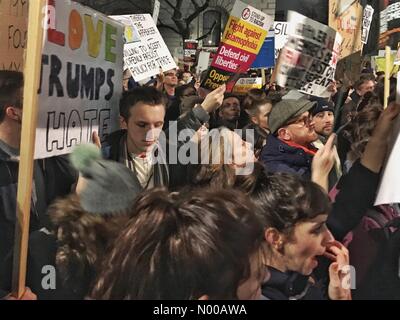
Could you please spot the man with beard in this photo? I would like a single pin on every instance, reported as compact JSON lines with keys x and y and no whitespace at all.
{"x":324,"y":119}
{"x":289,"y":146}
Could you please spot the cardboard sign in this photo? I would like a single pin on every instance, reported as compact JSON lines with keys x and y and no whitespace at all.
{"x":281,"y":37}
{"x":390,"y":22}
{"x":145,"y":57}
{"x":347,"y":20}
{"x":244,"y":35}
{"x":13,"y":34}
{"x":266,"y":56}
{"x":81,"y":80}
{"x":308,"y":61}
{"x":388,"y":192}
{"x":245,"y":84}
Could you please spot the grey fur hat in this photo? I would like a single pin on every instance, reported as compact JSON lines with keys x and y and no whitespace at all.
{"x":110,"y":186}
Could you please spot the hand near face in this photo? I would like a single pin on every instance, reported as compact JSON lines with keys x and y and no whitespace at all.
{"x":214,"y":99}
{"x":339,"y":272}
{"x":323,"y":163}
{"x":385,"y":121}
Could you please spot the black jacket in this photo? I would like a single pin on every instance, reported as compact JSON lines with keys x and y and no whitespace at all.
{"x":277,"y":156}
{"x":291,"y":286}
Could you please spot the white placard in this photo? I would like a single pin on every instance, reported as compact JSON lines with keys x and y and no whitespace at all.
{"x":367,"y":19}
{"x":81,"y":81}
{"x":308,"y":61}
{"x":388,"y":192}
{"x":281,"y":36}
{"x":145,"y":57}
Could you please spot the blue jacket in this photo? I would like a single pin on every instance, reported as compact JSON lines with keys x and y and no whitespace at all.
{"x":277,"y":156}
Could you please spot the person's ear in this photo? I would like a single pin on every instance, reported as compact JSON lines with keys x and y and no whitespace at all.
{"x":284,"y":134}
{"x":13,"y":114}
{"x":274,"y":238}
{"x":122,"y":123}
{"x":254,"y":120}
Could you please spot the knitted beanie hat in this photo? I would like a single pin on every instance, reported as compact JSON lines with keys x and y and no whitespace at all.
{"x":110,"y":186}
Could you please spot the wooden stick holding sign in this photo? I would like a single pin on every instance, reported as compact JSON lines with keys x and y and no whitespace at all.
{"x":29,"y":119}
{"x":388,"y":70}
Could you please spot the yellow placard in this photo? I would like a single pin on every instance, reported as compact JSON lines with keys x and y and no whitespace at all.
{"x":243,"y":35}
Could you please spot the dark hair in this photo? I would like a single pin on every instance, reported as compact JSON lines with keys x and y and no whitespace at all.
{"x":147,"y":95}
{"x":260,"y":137}
{"x":10,"y":84}
{"x":231,"y":95}
{"x":254,"y":99}
{"x":285,"y":200}
{"x":182,"y":246}
{"x":364,"y":78}
{"x":82,"y":241}
{"x":360,"y":128}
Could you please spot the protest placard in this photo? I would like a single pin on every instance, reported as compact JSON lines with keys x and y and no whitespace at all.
{"x":389,"y":23}
{"x":190,"y":52}
{"x":243,"y":37}
{"x":81,"y":80}
{"x":388,"y":191}
{"x":145,"y":57}
{"x":308,"y":61}
{"x":243,"y":85}
{"x":367,"y":19}
{"x":266,"y":56}
{"x":347,"y":20}
{"x":281,"y":36}
{"x":13,"y":33}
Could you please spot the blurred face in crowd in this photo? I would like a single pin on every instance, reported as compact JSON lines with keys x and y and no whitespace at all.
{"x":367,"y":86}
{"x":230,"y":109}
{"x":170,"y":78}
{"x":125,"y":80}
{"x":299,"y":130}
{"x":187,"y":77}
{"x":323,"y":122}
{"x":261,"y":118}
{"x":250,"y":289}
{"x":144,"y":126}
{"x":307,"y":242}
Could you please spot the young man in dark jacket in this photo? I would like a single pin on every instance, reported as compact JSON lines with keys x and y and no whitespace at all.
{"x":51,"y":177}
{"x":138,"y":144}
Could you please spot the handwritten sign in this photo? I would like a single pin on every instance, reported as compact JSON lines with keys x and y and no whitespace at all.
{"x":243,"y":37}
{"x":145,"y":57}
{"x":281,"y":36}
{"x":81,"y":81}
{"x":347,"y":20}
{"x":13,"y":33}
{"x":308,"y":61}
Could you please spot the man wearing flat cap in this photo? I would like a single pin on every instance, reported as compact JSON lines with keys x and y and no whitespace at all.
{"x":289,"y":146}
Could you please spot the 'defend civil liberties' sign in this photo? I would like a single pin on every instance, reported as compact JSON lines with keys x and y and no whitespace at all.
{"x":13,"y":34}
{"x":81,"y":79}
{"x":242,"y":40}
{"x":308,"y":61}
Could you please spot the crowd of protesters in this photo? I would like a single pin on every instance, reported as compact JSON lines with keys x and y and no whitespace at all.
{"x":204,"y":195}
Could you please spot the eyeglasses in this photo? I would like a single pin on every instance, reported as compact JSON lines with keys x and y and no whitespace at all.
{"x":304,"y":121}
